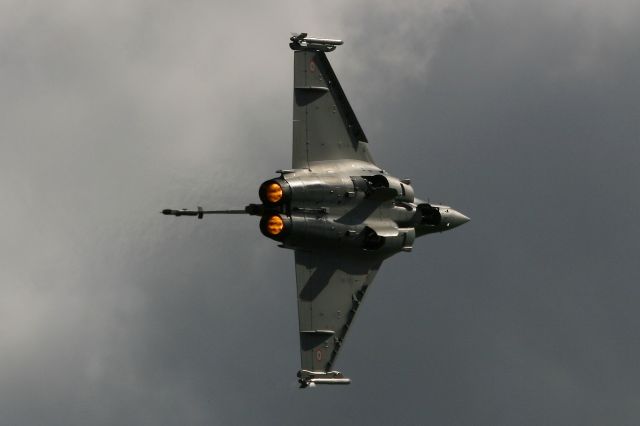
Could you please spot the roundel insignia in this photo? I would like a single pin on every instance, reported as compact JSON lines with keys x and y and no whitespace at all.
{"x":319,"y":355}
{"x":312,"y":66}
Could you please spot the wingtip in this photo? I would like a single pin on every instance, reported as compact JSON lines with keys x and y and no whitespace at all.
{"x":308,"y":378}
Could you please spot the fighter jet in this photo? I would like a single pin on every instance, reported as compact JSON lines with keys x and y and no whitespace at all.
{"x":340,"y":212}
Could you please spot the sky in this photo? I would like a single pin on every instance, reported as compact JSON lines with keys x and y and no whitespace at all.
{"x":525,"y":116}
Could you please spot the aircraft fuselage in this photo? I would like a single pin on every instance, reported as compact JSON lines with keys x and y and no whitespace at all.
{"x":348,"y":205}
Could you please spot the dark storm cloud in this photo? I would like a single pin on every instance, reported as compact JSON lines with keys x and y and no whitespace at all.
{"x":529,"y":123}
{"x":110,"y":112}
{"x":522,"y":114}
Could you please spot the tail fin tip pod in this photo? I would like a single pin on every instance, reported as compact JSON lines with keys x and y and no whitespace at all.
{"x":302,"y":42}
{"x":308,"y":378}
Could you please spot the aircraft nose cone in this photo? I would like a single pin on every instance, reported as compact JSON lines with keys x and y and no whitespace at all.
{"x":455,"y":218}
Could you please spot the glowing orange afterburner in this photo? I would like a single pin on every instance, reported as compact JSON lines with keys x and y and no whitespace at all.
{"x":273,"y":192}
{"x":275,"y":225}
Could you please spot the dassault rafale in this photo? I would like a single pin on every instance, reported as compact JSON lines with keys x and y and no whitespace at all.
{"x":340,"y":212}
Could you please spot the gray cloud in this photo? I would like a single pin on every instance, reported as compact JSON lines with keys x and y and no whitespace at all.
{"x":523,"y":115}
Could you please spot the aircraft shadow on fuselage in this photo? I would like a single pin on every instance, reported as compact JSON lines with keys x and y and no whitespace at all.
{"x":360,"y":212}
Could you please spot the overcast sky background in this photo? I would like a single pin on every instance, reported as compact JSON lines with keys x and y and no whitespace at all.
{"x":523,"y":115}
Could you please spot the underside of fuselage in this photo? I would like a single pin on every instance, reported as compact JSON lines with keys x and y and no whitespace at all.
{"x":348,"y":205}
